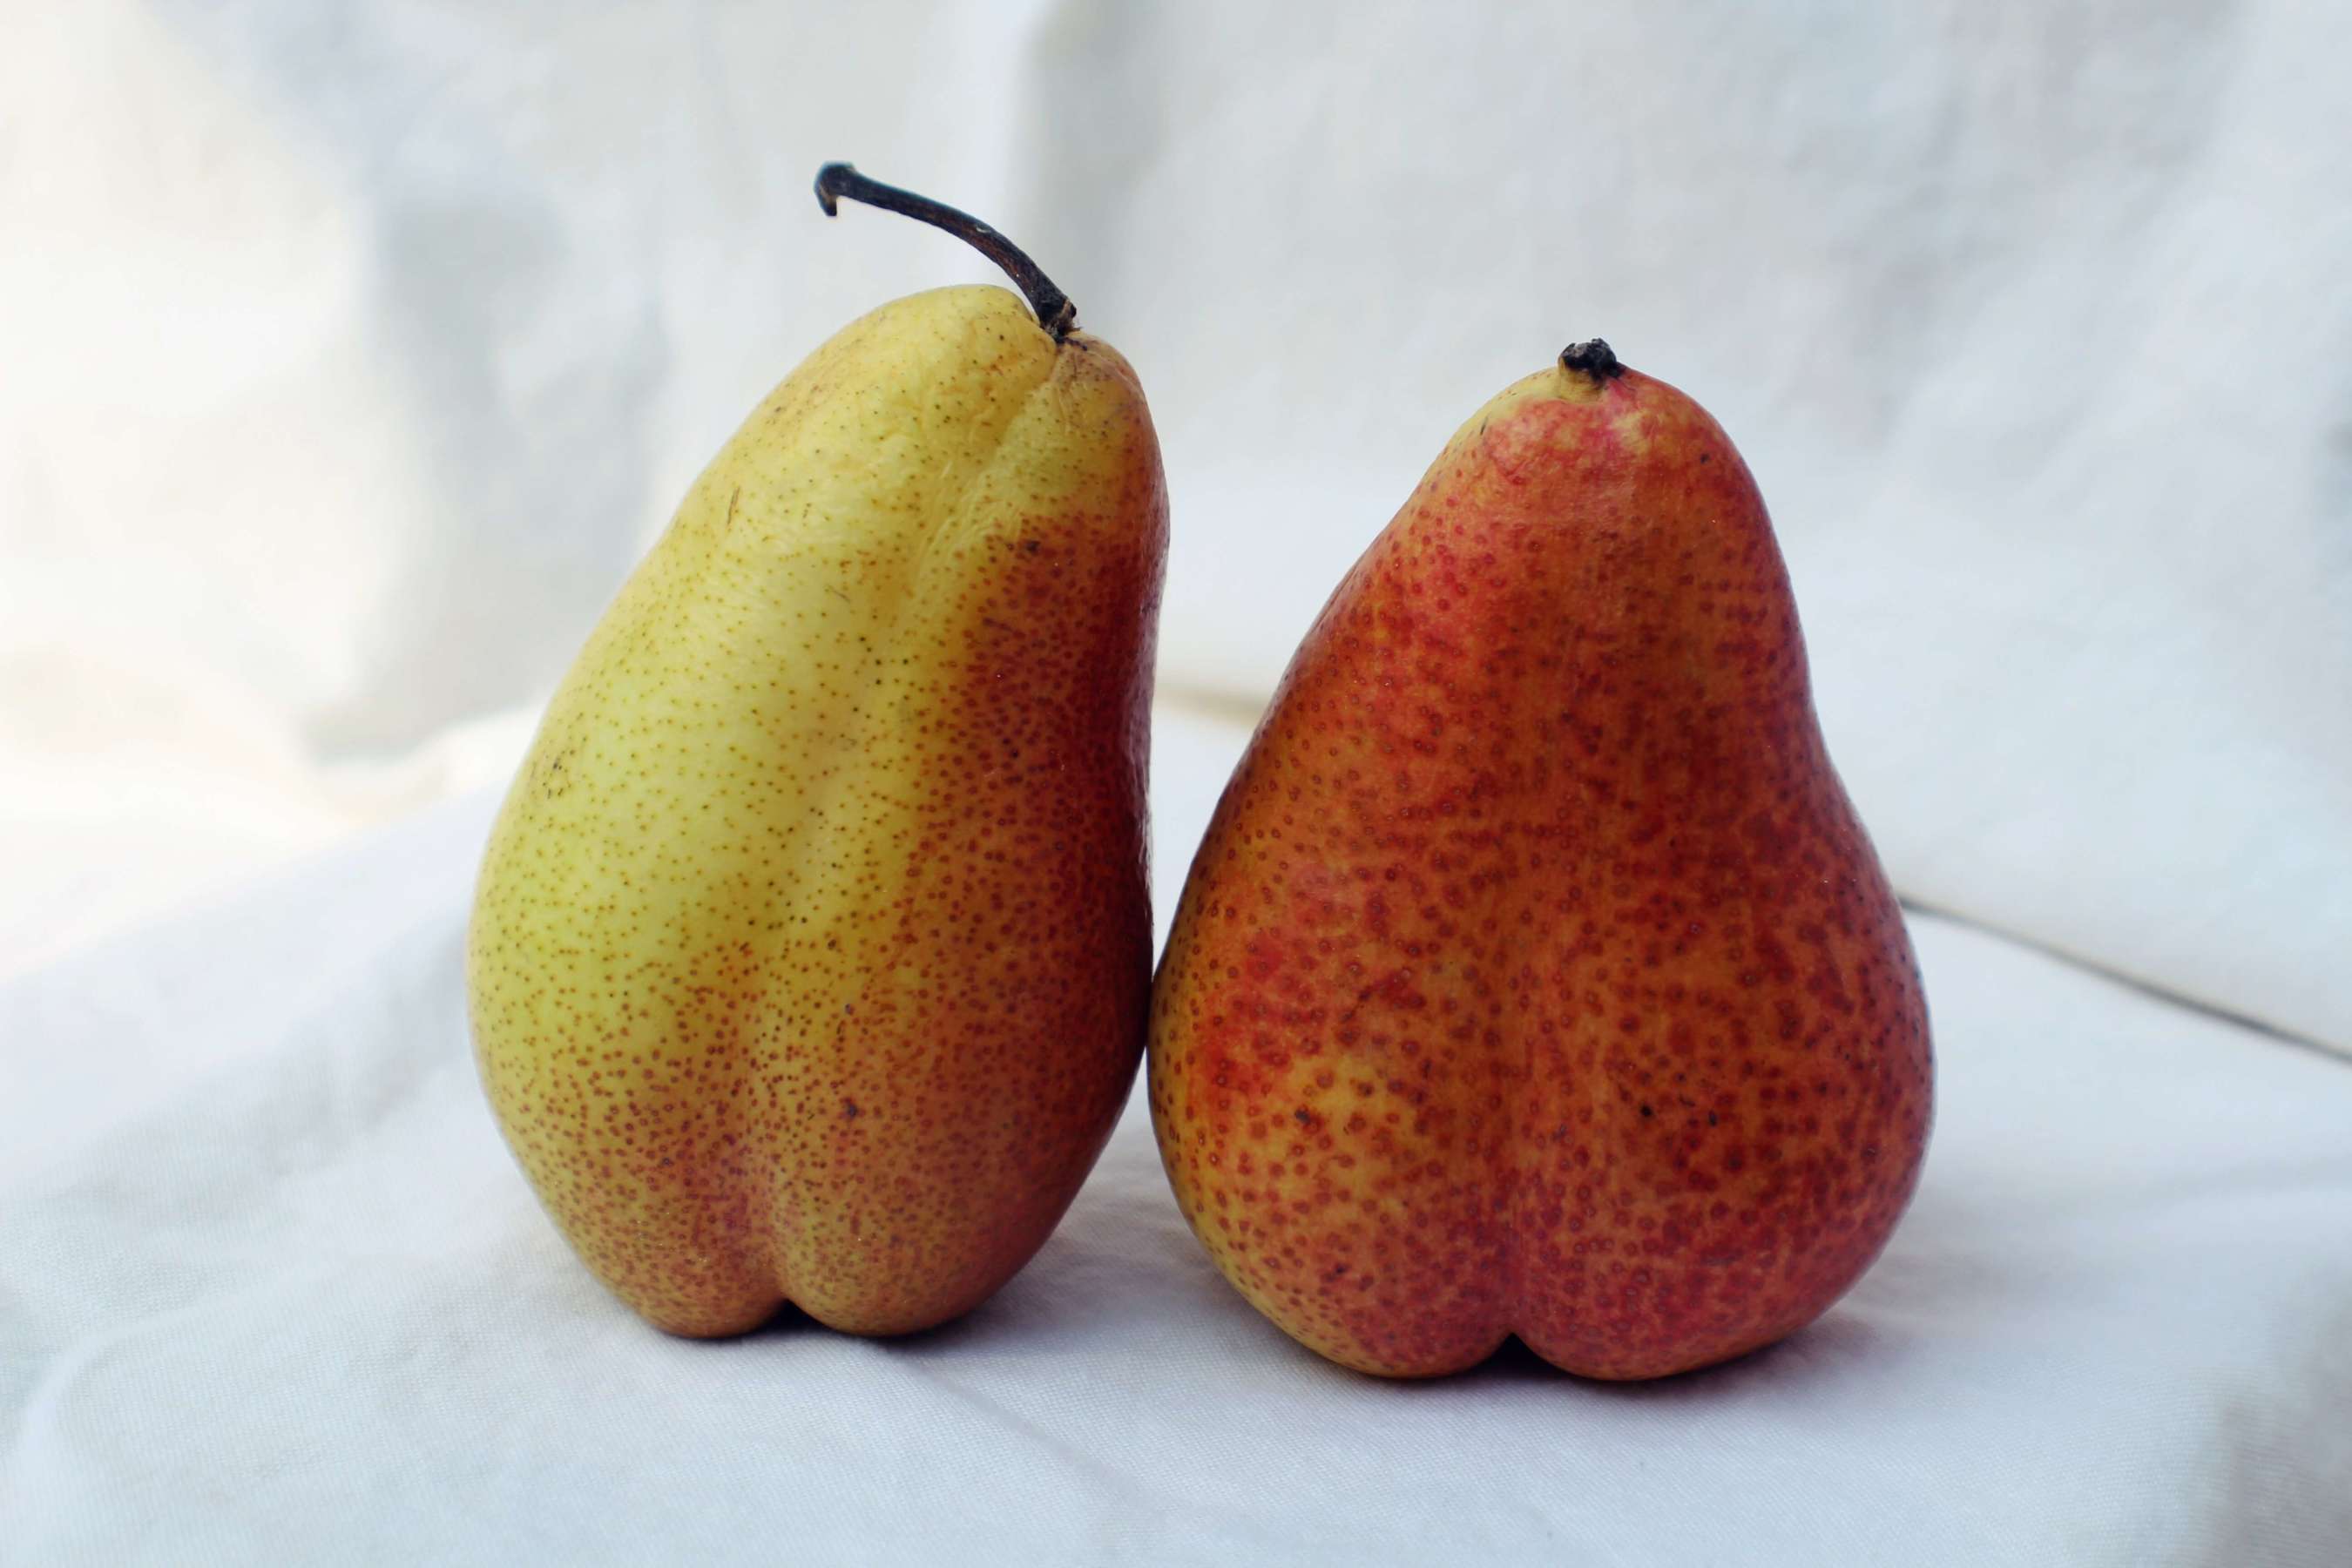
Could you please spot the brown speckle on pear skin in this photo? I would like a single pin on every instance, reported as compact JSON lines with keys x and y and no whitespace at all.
{"x":1536,"y":976}
{"x":810,"y":957}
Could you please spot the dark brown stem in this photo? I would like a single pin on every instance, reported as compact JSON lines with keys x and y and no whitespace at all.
{"x":1595,"y":359}
{"x":1055,"y":311}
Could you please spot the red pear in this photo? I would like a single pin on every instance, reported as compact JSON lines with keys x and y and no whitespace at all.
{"x":1536,"y":975}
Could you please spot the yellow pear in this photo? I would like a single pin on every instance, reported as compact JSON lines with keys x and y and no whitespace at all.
{"x":810,"y":957}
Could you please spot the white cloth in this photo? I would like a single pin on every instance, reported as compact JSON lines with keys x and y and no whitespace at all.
{"x":347,"y":364}
{"x":273,"y":1288}
{"x":350,"y":367}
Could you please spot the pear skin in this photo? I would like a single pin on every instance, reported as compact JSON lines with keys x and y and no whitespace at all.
{"x":811,"y":952}
{"x":1536,"y":976}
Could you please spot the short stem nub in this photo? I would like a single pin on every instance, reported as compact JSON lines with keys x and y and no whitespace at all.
{"x":1595,"y":359}
{"x":1055,"y":311}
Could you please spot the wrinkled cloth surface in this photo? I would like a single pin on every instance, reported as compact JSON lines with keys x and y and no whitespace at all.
{"x":273,"y":1285}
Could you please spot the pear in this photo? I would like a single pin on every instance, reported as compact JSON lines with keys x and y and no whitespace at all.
{"x":1534,"y":976}
{"x":811,"y":954}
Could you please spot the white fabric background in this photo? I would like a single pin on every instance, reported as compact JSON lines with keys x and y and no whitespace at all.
{"x":350,"y":355}
{"x":350,"y":362}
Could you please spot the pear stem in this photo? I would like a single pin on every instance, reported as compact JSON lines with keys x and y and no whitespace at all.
{"x":1595,"y":359}
{"x":1055,"y":311}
